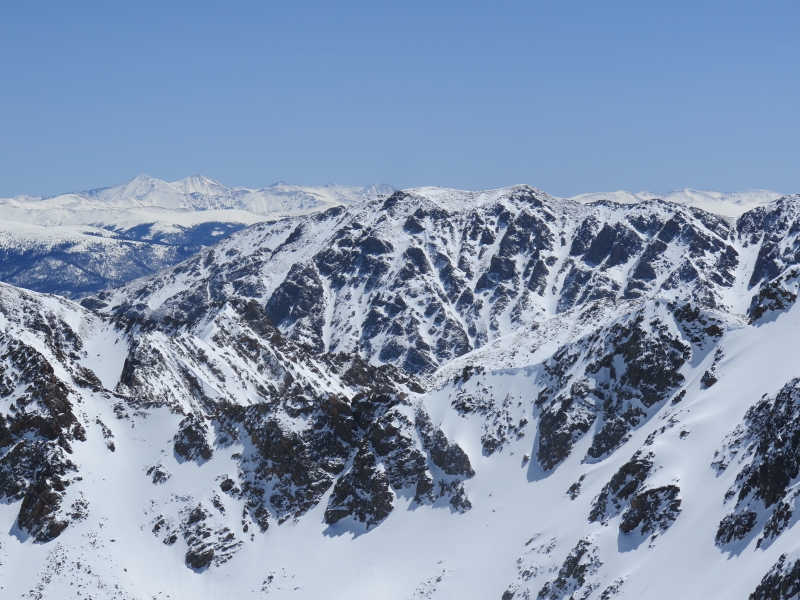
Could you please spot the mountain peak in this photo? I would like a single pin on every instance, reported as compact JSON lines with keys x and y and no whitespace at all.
{"x":199,"y":184}
{"x":142,"y":179}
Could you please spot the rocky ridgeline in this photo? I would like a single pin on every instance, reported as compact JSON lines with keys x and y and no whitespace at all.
{"x":423,"y":277}
{"x":80,"y":243}
{"x":311,"y":422}
{"x":306,"y":416}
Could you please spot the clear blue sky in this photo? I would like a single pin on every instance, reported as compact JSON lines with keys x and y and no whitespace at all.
{"x":568,"y":96}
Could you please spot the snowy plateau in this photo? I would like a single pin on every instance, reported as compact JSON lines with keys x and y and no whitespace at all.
{"x":407,"y":394}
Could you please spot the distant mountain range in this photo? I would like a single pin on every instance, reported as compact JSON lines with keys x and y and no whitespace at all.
{"x":80,"y":243}
{"x":196,"y":199}
{"x":731,"y":204}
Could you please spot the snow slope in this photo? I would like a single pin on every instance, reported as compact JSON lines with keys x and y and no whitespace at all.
{"x":516,"y":536}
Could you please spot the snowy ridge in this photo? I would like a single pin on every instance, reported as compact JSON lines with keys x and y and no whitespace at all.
{"x":435,"y":394}
{"x":129,"y":204}
{"x":729,"y":204}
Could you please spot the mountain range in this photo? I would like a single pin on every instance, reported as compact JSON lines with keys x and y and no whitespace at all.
{"x":425,"y":393}
{"x":80,"y":243}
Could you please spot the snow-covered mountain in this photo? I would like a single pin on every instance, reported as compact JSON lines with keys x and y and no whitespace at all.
{"x":428,"y":275}
{"x":144,"y":199}
{"x":80,"y":243}
{"x":435,"y":394}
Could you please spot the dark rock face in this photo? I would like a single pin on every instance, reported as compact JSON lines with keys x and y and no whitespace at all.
{"x":36,"y":439}
{"x":362,"y":493}
{"x":781,"y":582}
{"x":285,"y":469}
{"x":39,"y":511}
{"x":575,"y":489}
{"x":648,"y":510}
{"x":206,"y":544}
{"x":158,"y":473}
{"x":775,"y":295}
{"x":446,"y":455}
{"x":631,"y":367}
{"x":394,"y":439}
{"x":652,"y":510}
{"x":708,"y":379}
{"x":299,"y":302}
{"x":773,"y":228}
{"x":191,"y":441}
{"x":625,"y":483}
{"x":366,"y":492}
{"x":735,"y":526}
{"x":768,"y":443}
{"x":200,"y":553}
{"x":573,"y":576}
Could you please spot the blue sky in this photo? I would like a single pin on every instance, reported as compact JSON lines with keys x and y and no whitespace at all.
{"x":567,"y":96}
